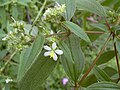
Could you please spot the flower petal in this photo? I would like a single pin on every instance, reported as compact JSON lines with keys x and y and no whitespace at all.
{"x":47,"y":53}
{"x":65,"y":81}
{"x":54,"y":45}
{"x":47,"y":47}
{"x":55,"y":57}
{"x":59,"y":52}
{"x":51,"y":32}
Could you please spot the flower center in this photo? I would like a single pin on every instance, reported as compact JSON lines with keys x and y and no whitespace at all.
{"x":52,"y":54}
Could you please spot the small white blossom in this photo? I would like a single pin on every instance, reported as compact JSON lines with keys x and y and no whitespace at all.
{"x":5,"y":38}
{"x":8,"y":80}
{"x":51,"y":32}
{"x":53,"y":52}
{"x":51,"y":13}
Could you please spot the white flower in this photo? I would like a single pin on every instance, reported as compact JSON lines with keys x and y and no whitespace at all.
{"x":51,"y":32}
{"x":53,"y":52}
{"x":5,"y":38}
{"x":8,"y":80}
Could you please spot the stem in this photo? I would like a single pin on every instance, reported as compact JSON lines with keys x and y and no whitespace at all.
{"x":95,"y":60}
{"x":84,"y":22}
{"x":108,"y":25}
{"x":88,"y":32}
{"x":76,"y":86}
{"x":28,"y":16}
{"x":40,"y":12}
{"x":94,"y":32}
{"x":55,"y":34}
{"x":117,"y":60}
{"x":7,"y":62}
{"x":116,"y":55}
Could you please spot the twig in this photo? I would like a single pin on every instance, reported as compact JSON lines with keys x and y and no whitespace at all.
{"x":95,"y":60}
{"x":108,"y":25}
{"x":94,"y":32}
{"x":116,"y":55}
{"x":40,"y":12}
{"x":7,"y":62}
{"x":88,"y":32}
{"x":28,"y":16}
{"x":55,"y":34}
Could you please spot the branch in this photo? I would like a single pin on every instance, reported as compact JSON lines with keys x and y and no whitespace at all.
{"x":7,"y":62}
{"x":88,"y":32}
{"x":108,"y":25}
{"x":95,"y":60}
{"x":28,"y":16}
{"x":40,"y":12}
{"x":116,"y":55}
{"x":94,"y":32}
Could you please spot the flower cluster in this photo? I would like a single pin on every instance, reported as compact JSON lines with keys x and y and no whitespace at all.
{"x":16,"y":38}
{"x":51,"y":14}
{"x":52,"y":51}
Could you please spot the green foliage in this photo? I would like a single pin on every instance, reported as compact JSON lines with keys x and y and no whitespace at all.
{"x":70,"y":8}
{"x":77,"y":30}
{"x":81,"y":39}
{"x":73,"y":59}
{"x":104,"y":86}
{"x":92,"y":6}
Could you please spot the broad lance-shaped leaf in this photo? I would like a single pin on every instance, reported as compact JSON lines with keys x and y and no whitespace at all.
{"x":23,"y":2}
{"x":70,"y":8}
{"x":73,"y":58}
{"x":100,"y":74}
{"x":30,"y":55}
{"x":89,"y":80}
{"x":40,"y":69}
{"x":104,"y":57}
{"x":92,"y":6}
{"x":76,"y":30}
{"x":100,"y":26}
{"x":104,"y":86}
{"x":67,"y":61}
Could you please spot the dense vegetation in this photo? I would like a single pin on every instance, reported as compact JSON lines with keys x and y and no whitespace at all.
{"x":59,"y":44}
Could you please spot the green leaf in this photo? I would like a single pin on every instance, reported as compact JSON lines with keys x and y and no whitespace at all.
{"x":110,"y":71}
{"x":100,"y":26}
{"x":3,"y":18}
{"x":73,"y":58}
{"x":34,"y":67}
{"x":30,"y":55}
{"x":3,"y":3}
{"x":2,"y":34}
{"x":15,"y":12}
{"x":109,"y":2}
{"x":77,"y":30}
{"x":23,"y":2}
{"x":7,"y":86}
{"x":105,"y":57}
{"x":92,"y":6}
{"x":3,"y":53}
{"x":37,"y":73}
{"x":34,"y":31}
{"x":100,"y":74}
{"x":103,"y":86}
{"x":70,"y":8}
{"x":67,"y":61}
{"x":89,"y":80}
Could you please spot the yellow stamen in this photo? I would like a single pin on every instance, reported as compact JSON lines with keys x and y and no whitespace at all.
{"x":52,"y":54}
